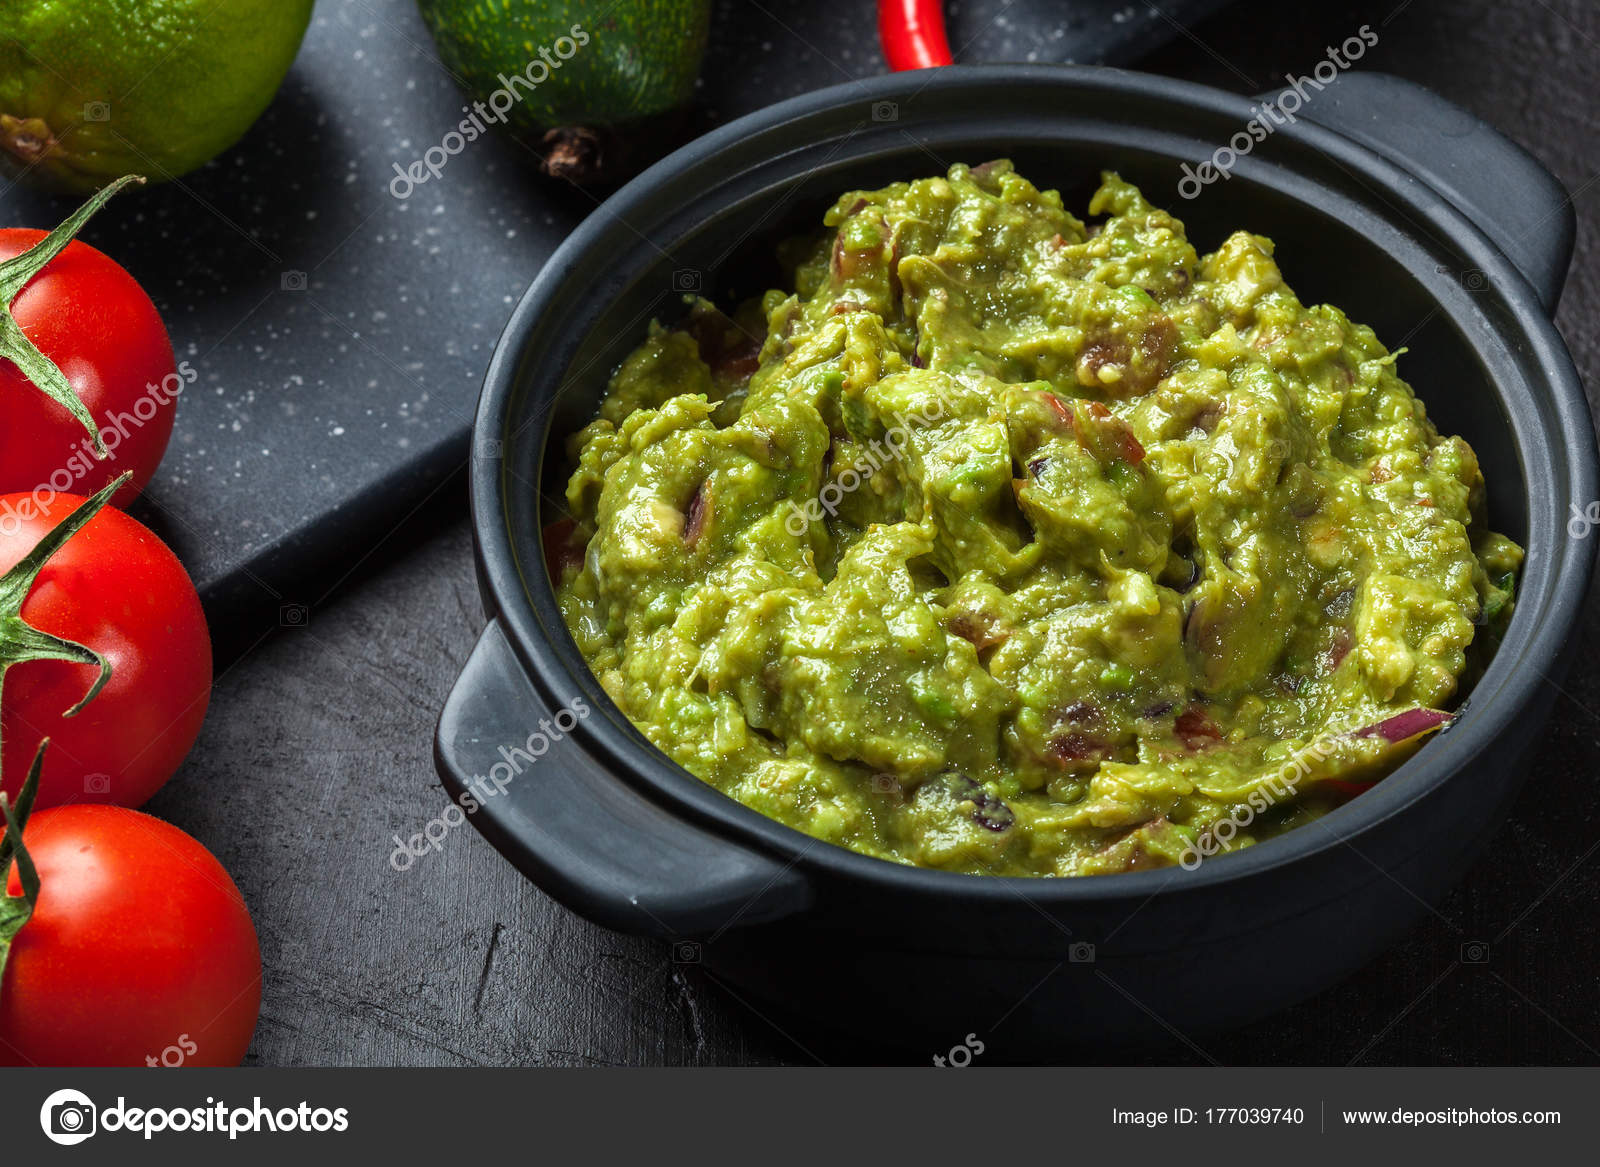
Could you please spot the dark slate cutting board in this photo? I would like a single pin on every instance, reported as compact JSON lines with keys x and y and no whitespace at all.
{"x":340,"y":334}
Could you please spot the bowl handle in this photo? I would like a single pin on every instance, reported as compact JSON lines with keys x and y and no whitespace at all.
{"x":1497,"y":184}
{"x":584,"y":836}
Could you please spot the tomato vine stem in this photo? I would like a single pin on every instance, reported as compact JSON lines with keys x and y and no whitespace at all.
{"x":15,"y":346}
{"x":15,"y":911}
{"x":19,"y":642}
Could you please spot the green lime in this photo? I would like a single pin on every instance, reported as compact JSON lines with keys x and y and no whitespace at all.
{"x":94,"y":89}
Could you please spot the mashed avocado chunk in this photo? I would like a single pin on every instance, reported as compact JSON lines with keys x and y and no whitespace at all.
{"x":1009,"y":545}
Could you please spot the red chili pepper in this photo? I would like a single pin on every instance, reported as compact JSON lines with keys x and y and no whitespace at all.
{"x":1062,"y":412}
{"x":912,"y":32}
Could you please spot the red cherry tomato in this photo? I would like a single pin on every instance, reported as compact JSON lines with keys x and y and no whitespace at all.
{"x":140,"y":950}
{"x":115,"y":588}
{"x":93,"y":320}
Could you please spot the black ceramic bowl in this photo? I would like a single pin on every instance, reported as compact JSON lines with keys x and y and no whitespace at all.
{"x":1407,"y":212}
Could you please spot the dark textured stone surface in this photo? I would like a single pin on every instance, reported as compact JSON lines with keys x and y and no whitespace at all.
{"x":339,"y":333}
{"x":317,"y":747}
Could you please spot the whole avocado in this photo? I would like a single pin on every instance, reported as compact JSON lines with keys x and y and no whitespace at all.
{"x":592,"y":92}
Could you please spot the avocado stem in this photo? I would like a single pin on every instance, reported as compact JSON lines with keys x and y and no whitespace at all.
{"x":575,"y":153}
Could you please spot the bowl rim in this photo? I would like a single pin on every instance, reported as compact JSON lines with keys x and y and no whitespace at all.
{"x":1538,"y":635}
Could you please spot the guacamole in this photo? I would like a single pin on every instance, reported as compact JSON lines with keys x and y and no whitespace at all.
{"x":1005,"y":544}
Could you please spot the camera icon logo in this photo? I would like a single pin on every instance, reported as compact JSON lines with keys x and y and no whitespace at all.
{"x":686,"y":279}
{"x":96,"y":111}
{"x":293,"y":281}
{"x":885,"y":111}
{"x":686,"y":952}
{"x":490,"y":448}
{"x":1081,"y":953}
{"x":68,"y":1117}
{"x":293,"y":616}
{"x":97,"y":783}
{"x":1472,"y":279}
{"x":1474,"y":952}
